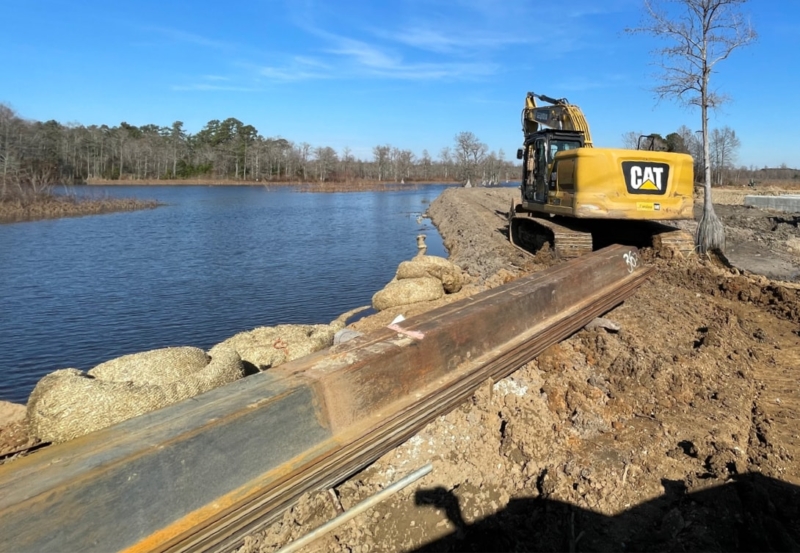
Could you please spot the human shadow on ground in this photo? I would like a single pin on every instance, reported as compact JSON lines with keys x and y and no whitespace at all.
{"x":750,"y":512}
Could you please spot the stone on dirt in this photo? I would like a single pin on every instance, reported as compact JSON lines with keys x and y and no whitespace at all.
{"x":789,"y":203}
{"x":601,"y":322}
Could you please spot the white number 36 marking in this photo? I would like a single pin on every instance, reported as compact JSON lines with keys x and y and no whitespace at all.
{"x":631,"y":260}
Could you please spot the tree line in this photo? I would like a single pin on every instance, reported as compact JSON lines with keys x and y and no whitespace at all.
{"x":724,"y":147}
{"x":36,"y":154}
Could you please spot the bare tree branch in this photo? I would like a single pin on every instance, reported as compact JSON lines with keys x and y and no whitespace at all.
{"x":698,"y":34}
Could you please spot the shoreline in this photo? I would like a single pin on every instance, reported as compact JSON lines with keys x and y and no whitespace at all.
{"x":354,"y":185}
{"x":56,"y":207}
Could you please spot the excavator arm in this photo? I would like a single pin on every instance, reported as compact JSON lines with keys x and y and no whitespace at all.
{"x":559,"y":115}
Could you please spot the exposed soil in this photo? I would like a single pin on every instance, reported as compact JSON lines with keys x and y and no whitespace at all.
{"x":679,"y":432}
{"x":676,"y":433}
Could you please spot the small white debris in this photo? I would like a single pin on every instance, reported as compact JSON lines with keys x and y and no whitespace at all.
{"x":601,"y":322}
{"x":509,"y":386}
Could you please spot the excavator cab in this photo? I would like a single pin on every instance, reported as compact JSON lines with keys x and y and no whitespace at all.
{"x":538,"y":155}
{"x":651,"y":142}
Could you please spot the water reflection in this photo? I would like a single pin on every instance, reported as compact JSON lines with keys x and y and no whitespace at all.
{"x":212,"y":262}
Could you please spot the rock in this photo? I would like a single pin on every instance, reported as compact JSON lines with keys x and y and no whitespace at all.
{"x":406,"y":291}
{"x":69,"y":403}
{"x":601,"y":322}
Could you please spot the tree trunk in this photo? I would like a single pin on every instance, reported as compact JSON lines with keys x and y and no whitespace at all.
{"x":710,"y":232}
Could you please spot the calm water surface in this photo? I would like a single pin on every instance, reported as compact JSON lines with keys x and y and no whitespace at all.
{"x":215,"y":261}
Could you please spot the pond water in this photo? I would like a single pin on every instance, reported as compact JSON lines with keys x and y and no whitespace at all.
{"x":213,"y":261}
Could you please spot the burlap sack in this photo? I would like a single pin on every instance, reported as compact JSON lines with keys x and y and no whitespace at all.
{"x":69,"y":403}
{"x":432,"y":266}
{"x":406,"y":291}
{"x":269,"y":346}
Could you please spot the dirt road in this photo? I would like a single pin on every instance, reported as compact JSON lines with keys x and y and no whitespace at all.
{"x":679,"y":432}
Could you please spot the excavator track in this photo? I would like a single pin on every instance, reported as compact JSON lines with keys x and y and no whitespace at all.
{"x":675,"y":241}
{"x":531,"y":231}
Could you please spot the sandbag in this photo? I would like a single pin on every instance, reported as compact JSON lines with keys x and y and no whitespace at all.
{"x":432,"y":266}
{"x":406,"y":291}
{"x":270,"y":346}
{"x":69,"y":403}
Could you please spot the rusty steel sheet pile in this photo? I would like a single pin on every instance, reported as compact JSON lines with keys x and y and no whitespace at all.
{"x":200,"y":474}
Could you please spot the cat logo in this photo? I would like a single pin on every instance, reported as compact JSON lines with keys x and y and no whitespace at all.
{"x":644,"y":177}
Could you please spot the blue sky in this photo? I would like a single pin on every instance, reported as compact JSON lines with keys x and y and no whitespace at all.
{"x":409,"y":73}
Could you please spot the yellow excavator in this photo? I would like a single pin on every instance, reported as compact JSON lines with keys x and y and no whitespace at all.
{"x":578,"y":198}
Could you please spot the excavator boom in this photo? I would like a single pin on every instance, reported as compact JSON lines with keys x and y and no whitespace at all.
{"x":559,"y":115}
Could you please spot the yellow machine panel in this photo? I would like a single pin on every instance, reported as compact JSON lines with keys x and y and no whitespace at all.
{"x":605,"y":183}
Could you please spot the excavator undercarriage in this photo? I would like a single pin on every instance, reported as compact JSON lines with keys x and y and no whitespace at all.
{"x":568,"y":238}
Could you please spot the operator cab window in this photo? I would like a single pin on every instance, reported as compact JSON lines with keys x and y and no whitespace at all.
{"x":562,"y":146}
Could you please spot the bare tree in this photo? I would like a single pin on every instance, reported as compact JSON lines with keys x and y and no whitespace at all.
{"x":305,"y":152}
{"x":470,"y":153}
{"x":425,"y":163}
{"x":699,"y":35}
{"x":381,"y":156}
{"x":347,"y":159}
{"x":326,"y":160}
{"x":405,"y":160}
{"x":724,"y":148}
{"x":446,"y":157}
{"x":8,"y":159}
{"x":630,"y":140}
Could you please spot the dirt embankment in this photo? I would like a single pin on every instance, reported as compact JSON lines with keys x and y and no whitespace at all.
{"x":676,"y":433}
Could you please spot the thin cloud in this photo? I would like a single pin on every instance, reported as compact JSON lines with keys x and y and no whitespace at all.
{"x":205,"y":87}
{"x":182,"y":36}
{"x":289,"y":74}
{"x":342,"y":57}
{"x":362,"y":58}
{"x":362,"y":53}
{"x":451,"y":43}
